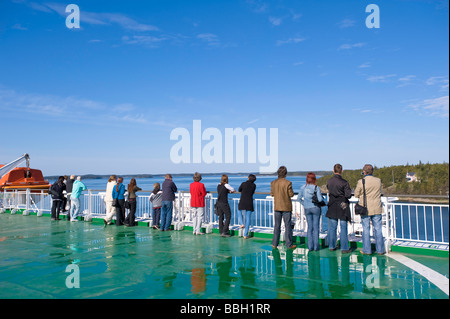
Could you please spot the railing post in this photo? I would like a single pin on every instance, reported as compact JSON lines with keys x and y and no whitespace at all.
{"x":27,"y":199}
{"x":90,"y":202}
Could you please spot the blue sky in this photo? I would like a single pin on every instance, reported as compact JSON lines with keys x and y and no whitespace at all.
{"x":104,"y":98}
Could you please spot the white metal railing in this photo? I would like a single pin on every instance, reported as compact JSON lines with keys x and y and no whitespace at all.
{"x":426,"y":223}
{"x":401,"y":221}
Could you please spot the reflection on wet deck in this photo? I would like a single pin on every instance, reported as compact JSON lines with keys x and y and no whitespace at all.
{"x":139,"y":262}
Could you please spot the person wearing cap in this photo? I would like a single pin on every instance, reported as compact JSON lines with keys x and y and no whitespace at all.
{"x":281,"y":191}
{"x":198,"y":193}
{"x":372,"y":187}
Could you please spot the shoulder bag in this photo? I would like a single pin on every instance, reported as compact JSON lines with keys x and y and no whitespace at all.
{"x":362,"y":210}
{"x":315,"y":201}
{"x":115,"y":202}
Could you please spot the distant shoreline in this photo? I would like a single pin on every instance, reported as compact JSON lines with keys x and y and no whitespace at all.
{"x":95,"y":176}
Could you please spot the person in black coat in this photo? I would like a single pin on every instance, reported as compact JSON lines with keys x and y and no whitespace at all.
{"x":339,"y":193}
{"x":223,"y":207}
{"x":56,"y":190}
{"x":247,"y":189}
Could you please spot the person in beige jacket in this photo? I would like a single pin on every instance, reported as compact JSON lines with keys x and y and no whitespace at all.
{"x":281,"y":190}
{"x":372,"y":186}
{"x":110,"y":210}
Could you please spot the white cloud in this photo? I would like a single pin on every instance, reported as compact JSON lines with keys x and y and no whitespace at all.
{"x":275,"y":21}
{"x":71,"y":107}
{"x":442,"y":81}
{"x":295,"y":16}
{"x":365,"y":65}
{"x":349,"y":46}
{"x":18,"y":26}
{"x":381,"y":78}
{"x":290,"y":40}
{"x":143,"y":39}
{"x":253,"y":121}
{"x":94,"y":17}
{"x":346,"y":23}
{"x":210,"y":38}
{"x":406,"y":80}
{"x":258,"y":6}
{"x":433,"y":107}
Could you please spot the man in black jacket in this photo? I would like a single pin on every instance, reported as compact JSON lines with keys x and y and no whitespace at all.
{"x":168,"y":196}
{"x":56,"y":190}
{"x":339,"y":192}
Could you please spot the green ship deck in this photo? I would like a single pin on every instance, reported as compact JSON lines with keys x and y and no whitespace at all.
{"x":140,"y":262}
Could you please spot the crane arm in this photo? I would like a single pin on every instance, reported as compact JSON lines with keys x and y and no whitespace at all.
{"x":12,"y":165}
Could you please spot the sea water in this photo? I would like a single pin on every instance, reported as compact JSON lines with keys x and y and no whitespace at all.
{"x":211,"y":181}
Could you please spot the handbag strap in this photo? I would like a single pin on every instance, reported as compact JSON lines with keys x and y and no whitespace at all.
{"x":364,"y":190}
{"x":118,"y":191}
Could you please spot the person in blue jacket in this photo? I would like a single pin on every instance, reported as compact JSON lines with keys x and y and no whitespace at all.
{"x":312,"y":211}
{"x":77,"y":188}
{"x":119,"y":194}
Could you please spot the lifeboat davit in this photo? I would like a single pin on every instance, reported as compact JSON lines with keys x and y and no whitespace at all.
{"x":22,"y":178}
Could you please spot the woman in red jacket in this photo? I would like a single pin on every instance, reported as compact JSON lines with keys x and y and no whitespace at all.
{"x":198,"y":193}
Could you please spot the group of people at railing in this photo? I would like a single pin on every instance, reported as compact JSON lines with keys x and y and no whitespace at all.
{"x":368,"y":191}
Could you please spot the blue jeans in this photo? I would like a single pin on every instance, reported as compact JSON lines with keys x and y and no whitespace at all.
{"x":239,"y":216}
{"x":166,"y":215}
{"x":332,"y":233}
{"x":286,"y":216}
{"x":248,"y":219}
{"x":377,"y":232}
{"x":313,"y":220}
{"x":156,"y":216}
{"x":74,"y":208}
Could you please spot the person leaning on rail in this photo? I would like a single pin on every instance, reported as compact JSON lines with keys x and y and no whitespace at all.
{"x":281,"y":190}
{"x":132,"y":199}
{"x":312,"y":211}
{"x":223,"y":207}
{"x":245,"y":206}
{"x":156,"y":200}
{"x":372,"y":187}
{"x":168,"y":196}
{"x":198,"y":193}
{"x":56,"y":190}
{"x":119,"y":194}
{"x":339,"y":192}
{"x":77,"y":188}
{"x":110,"y":210}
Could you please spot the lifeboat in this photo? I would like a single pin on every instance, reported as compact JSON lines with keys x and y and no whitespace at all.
{"x":22,"y":178}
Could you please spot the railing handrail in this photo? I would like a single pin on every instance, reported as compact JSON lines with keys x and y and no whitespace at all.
{"x":399,"y":223}
{"x":268,"y":193}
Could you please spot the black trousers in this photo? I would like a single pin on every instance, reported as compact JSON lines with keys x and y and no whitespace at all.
{"x":130,"y":220}
{"x":56,"y":208}
{"x":120,"y":212}
{"x":224,"y":212}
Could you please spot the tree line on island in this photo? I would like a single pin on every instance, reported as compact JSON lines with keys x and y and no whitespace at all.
{"x":428,"y":179}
